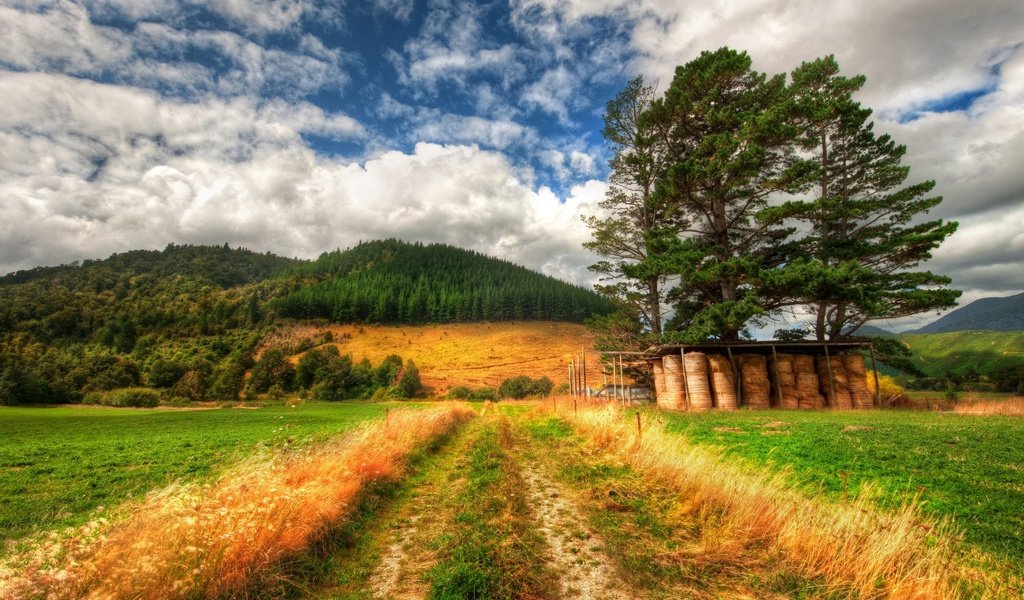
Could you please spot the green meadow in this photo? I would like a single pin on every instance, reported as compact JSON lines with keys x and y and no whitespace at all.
{"x":970,"y":468}
{"x":59,"y":465}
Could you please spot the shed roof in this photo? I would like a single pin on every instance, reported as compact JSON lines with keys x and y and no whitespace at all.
{"x":802,"y":347}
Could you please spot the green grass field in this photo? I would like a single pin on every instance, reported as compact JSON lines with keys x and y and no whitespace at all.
{"x":58,"y":465}
{"x":961,"y":351}
{"x":966,"y":467}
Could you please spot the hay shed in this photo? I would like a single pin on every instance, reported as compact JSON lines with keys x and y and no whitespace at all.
{"x":762,"y":375}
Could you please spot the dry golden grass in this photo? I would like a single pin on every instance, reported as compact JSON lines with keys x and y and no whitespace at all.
{"x":470,"y":354}
{"x":1010,"y":407}
{"x":855,"y":548}
{"x":233,"y":536}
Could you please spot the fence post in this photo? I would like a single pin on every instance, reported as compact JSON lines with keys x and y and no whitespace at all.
{"x":638,"y":431}
{"x":387,"y":417}
{"x":574,"y":413}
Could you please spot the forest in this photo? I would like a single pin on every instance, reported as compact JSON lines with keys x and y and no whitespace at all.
{"x":186,"y":321}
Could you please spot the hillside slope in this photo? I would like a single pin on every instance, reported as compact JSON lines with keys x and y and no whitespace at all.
{"x":391,"y":281}
{"x":470,"y":354}
{"x":959,"y":352}
{"x":987,"y":314}
{"x":195,"y":314}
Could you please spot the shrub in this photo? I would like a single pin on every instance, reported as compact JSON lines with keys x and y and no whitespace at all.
{"x":135,"y":397}
{"x":484,"y":393}
{"x":460,"y":392}
{"x":522,"y":386}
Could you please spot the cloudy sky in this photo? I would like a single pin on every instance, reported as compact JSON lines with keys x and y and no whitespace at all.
{"x":303,"y":126}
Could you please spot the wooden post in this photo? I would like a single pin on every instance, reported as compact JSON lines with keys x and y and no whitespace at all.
{"x":583,"y":353}
{"x":574,"y":412}
{"x":579,"y":377}
{"x":570,"y":377}
{"x":686,"y":384}
{"x":874,"y":368}
{"x":638,"y":431}
{"x":617,"y":368}
{"x":387,"y":417}
{"x":831,"y":380}
{"x":736,"y":377}
{"x":778,"y":384}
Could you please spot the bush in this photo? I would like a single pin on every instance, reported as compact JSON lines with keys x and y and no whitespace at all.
{"x":522,"y":386}
{"x":484,"y":393}
{"x":136,"y":397}
{"x":459,"y":392}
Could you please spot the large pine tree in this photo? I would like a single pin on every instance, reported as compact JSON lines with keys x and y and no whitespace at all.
{"x":730,"y":140}
{"x":866,"y":235}
{"x":622,"y":235}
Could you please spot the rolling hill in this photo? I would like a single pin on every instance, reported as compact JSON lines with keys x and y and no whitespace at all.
{"x":469,"y":354}
{"x":987,"y":314}
{"x":149,"y":318}
{"x":962,"y":351}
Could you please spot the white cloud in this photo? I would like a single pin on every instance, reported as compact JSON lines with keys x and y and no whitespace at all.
{"x":122,"y":168}
{"x":553,"y":92}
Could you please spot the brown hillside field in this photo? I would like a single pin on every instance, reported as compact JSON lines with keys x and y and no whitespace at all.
{"x":470,"y":354}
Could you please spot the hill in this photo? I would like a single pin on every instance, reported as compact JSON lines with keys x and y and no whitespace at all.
{"x":987,"y":314}
{"x":396,"y":282}
{"x":961,"y":352}
{"x":469,"y":354}
{"x":197,"y":313}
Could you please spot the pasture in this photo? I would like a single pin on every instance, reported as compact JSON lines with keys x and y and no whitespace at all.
{"x":961,"y":466}
{"x":58,"y":465}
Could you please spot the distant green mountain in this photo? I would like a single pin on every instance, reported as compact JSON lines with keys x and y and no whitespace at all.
{"x":987,"y":314}
{"x":872,"y":331}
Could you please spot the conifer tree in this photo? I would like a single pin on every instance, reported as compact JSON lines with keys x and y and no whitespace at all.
{"x":730,"y":140}
{"x":621,"y":237}
{"x":866,"y":235}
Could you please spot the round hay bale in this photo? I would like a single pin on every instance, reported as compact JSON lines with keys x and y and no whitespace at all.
{"x":838,"y":393}
{"x":783,"y":368}
{"x":725,"y":390}
{"x":754,"y":380}
{"x":854,"y":363}
{"x":672,"y":371}
{"x":803,"y":363}
{"x":807,"y":391}
{"x":659,"y":379}
{"x":697,"y":380}
{"x":857,"y":381}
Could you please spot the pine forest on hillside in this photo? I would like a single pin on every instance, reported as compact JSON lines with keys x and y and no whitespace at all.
{"x":188,"y":320}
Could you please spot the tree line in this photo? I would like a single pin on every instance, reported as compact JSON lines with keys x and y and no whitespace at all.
{"x":736,"y":195}
{"x":392,"y":281}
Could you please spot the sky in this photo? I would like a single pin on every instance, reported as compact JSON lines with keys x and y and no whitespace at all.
{"x":299,"y":127}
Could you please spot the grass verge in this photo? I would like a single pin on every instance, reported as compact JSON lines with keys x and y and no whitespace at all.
{"x":649,"y":530}
{"x":60,"y":465}
{"x":966,"y":468}
{"x":853,"y":548}
{"x":231,"y":537}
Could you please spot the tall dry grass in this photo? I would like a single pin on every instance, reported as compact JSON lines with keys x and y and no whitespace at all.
{"x":855,"y":548}
{"x":233,"y":536}
{"x":1010,"y":407}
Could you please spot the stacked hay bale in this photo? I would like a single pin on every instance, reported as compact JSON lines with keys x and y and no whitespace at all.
{"x":698,"y":387}
{"x":754,"y":378}
{"x":723,"y":382}
{"x":659,"y":380}
{"x":806,"y":382}
{"x":674,"y":397}
{"x":783,"y":367}
{"x":858,"y":380}
{"x":838,"y":394}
